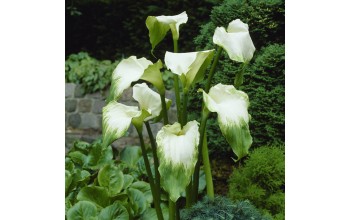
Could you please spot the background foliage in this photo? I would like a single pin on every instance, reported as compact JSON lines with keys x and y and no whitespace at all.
{"x":264,"y":76}
{"x":92,"y":74}
{"x":261,"y":181}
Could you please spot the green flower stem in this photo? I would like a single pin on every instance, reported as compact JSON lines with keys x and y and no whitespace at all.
{"x":207,"y":170}
{"x":212,"y":69}
{"x":184,"y":107}
{"x":149,"y":173}
{"x":165,"y":112}
{"x":205,"y":115}
{"x":177,"y":89}
{"x":183,"y":123}
{"x":239,"y":76}
{"x":172,"y":210}
{"x":155,"y":158}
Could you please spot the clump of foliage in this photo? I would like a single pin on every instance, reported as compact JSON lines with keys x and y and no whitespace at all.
{"x":97,"y":185}
{"x":261,"y":181}
{"x":222,"y":208}
{"x":92,"y":74}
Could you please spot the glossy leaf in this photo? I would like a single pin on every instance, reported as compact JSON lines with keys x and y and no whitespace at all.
{"x":82,"y":210}
{"x":115,"y":211}
{"x":112,"y":178}
{"x":96,"y":194}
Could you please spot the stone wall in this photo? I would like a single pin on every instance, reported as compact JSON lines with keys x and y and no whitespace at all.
{"x":83,"y":116}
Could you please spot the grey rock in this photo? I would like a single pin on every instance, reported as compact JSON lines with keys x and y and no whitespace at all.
{"x":84,"y":105}
{"x":74,"y":120}
{"x":95,"y":95}
{"x":89,"y":120}
{"x":127,"y":95}
{"x":97,"y":106}
{"x":71,"y":105}
{"x":79,"y":91}
{"x":69,"y":90}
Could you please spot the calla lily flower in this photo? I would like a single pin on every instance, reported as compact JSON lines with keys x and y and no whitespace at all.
{"x":189,"y":66}
{"x":236,"y":41}
{"x":232,"y":108}
{"x":178,"y":153}
{"x":159,"y":26}
{"x":132,"y":69}
{"x":117,"y":117}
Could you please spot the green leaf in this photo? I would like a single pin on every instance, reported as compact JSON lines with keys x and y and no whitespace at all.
{"x":137,"y":201}
{"x":111,"y":177}
{"x":114,"y":212}
{"x":128,"y":179}
{"x":99,"y":156}
{"x":82,"y":211}
{"x":96,"y":194}
{"x":69,"y":165}
{"x":145,"y":188}
{"x":68,"y":180}
{"x":157,"y":31}
{"x":78,"y":157}
{"x":130,"y":155}
{"x":153,"y":75}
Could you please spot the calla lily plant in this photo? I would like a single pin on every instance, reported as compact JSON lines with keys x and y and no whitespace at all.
{"x":180,"y":146}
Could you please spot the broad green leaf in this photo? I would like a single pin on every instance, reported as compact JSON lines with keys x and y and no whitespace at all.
{"x":149,"y":214}
{"x":69,"y":165}
{"x":145,"y":188}
{"x":128,"y":179}
{"x":130,"y":155}
{"x":78,"y":157}
{"x":121,"y":197}
{"x":68,"y":180}
{"x":96,"y":194}
{"x":68,"y":205}
{"x":202,"y":182}
{"x":137,"y":201}
{"x":115,"y":211}
{"x":81,"y":146}
{"x":111,"y":177}
{"x":82,"y":210}
{"x":99,"y":156}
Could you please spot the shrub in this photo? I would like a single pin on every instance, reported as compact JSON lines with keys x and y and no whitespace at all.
{"x":92,"y":74}
{"x":261,"y":181}
{"x":222,"y":208}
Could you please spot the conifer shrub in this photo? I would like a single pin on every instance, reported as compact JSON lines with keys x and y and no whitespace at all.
{"x":261,"y":181}
{"x":222,"y":208}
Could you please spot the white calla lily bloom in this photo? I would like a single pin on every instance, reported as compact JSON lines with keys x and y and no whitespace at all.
{"x":128,"y":70}
{"x":116,"y":120}
{"x":233,"y":117}
{"x":159,"y":26}
{"x":174,"y":22}
{"x":148,"y":100}
{"x":236,"y":41}
{"x":178,"y":153}
{"x":117,"y":117}
{"x":189,"y":66}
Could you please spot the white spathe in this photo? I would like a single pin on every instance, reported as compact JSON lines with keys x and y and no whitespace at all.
{"x":174,"y":22}
{"x":236,"y":41}
{"x":233,"y":117}
{"x":116,"y":119}
{"x":189,"y":66}
{"x":128,"y":70}
{"x":179,"y":146}
{"x":148,"y":100}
